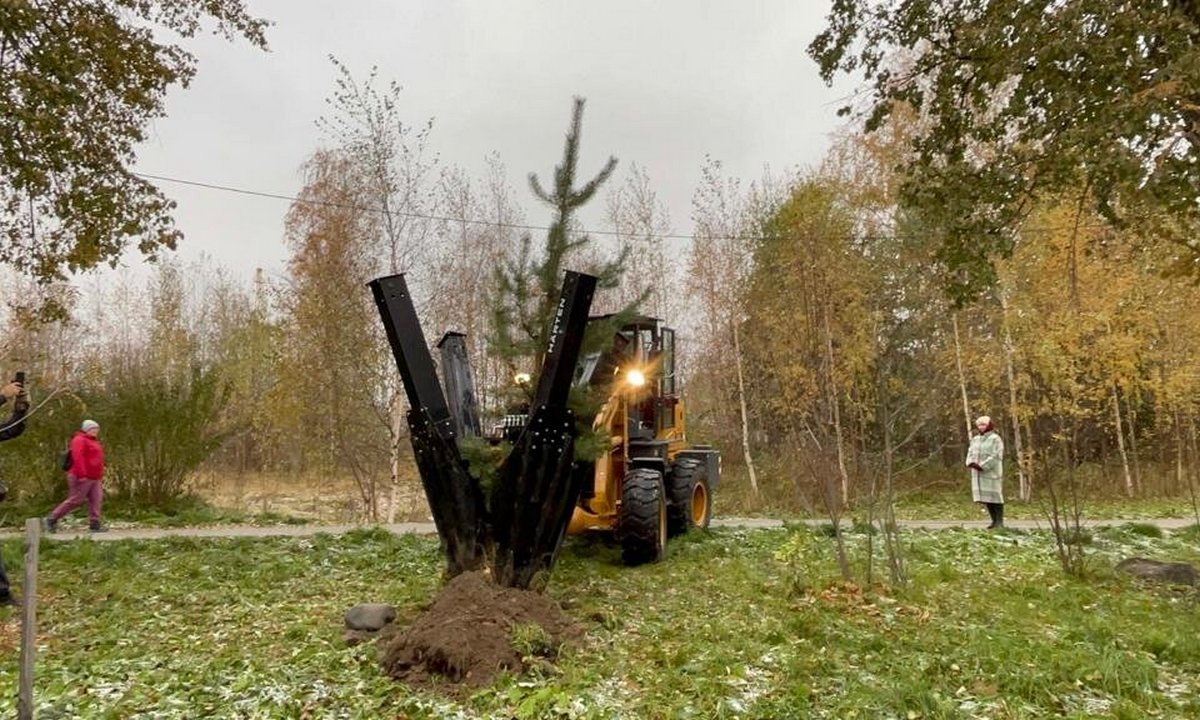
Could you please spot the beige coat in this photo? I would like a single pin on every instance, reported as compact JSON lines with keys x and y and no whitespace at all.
{"x":987,"y":451}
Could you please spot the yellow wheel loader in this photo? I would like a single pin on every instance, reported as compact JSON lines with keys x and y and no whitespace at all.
{"x":648,"y":484}
{"x":651,"y":484}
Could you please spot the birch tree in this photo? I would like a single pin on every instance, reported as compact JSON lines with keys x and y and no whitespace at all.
{"x":332,"y":376}
{"x":399,"y":174}
{"x":719,"y":265}
{"x":640,"y":221}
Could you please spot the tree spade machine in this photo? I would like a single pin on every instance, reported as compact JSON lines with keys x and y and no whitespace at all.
{"x":651,"y":483}
{"x":647,"y":485}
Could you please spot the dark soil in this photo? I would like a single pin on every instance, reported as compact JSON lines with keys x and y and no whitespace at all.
{"x":466,"y":636}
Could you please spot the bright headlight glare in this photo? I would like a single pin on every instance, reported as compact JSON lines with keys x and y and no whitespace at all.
{"x":635,"y":378}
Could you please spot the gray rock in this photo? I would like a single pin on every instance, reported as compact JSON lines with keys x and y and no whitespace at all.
{"x":370,"y":616}
{"x":1166,"y":572}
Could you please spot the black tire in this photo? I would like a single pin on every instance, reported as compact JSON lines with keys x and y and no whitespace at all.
{"x":643,"y":517}
{"x":689,"y":498}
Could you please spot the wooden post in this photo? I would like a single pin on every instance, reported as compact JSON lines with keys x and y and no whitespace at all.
{"x":33,"y":533}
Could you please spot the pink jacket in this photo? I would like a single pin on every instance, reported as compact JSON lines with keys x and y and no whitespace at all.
{"x":87,"y":457}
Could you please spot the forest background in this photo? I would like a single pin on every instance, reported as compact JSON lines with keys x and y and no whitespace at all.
{"x":820,"y":350}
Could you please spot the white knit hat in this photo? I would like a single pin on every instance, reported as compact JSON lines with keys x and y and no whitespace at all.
{"x":89,"y":425}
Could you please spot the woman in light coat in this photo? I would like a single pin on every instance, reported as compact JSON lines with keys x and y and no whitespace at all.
{"x":985,"y":458}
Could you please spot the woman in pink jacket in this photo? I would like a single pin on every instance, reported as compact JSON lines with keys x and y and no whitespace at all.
{"x":83,"y":477}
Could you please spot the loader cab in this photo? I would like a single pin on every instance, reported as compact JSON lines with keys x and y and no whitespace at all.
{"x":642,"y":351}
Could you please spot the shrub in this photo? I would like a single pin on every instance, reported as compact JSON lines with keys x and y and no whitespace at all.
{"x":157,"y":429}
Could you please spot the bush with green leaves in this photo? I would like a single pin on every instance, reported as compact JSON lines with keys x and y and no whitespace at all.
{"x":159,"y":427}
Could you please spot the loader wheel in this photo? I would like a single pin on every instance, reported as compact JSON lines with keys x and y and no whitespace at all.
{"x":690,"y":499}
{"x":643,"y":517}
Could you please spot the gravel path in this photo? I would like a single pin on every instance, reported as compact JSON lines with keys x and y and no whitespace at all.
{"x":221,"y":531}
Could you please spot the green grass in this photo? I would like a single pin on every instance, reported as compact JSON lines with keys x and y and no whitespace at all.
{"x":746,"y":624}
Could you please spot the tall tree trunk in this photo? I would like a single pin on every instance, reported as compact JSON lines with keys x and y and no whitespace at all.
{"x":1129,"y":487}
{"x":745,"y":416}
{"x":837,"y":413}
{"x":1194,"y":469}
{"x":1192,"y":472}
{"x":1014,"y":413}
{"x":1179,"y":450}
{"x":962,"y":378}
{"x":397,"y":428}
{"x":1131,"y":414}
{"x":891,"y":532}
{"x":1186,"y":446}
{"x":1031,"y":455}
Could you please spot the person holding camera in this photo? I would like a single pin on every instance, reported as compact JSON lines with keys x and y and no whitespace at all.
{"x":14,"y":426}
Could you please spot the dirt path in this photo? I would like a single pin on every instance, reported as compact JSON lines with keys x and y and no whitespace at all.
{"x":228,"y":531}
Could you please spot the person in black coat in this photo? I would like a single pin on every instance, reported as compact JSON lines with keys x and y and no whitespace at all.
{"x":14,"y":426}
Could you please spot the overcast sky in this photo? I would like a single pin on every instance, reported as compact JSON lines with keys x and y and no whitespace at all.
{"x":666,"y":81}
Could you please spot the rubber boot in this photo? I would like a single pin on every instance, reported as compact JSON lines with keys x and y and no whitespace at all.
{"x":999,"y":515}
{"x":991,"y":508}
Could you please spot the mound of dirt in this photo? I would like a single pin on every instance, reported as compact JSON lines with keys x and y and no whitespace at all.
{"x":466,"y":636}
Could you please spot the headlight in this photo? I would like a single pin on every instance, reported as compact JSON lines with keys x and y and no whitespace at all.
{"x":635,"y":378}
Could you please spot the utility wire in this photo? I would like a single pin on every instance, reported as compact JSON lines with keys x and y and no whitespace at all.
{"x":397,"y":213}
{"x":520,"y":226}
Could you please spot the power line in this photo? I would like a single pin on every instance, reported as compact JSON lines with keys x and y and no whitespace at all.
{"x":520,"y":226}
{"x":418,"y":216}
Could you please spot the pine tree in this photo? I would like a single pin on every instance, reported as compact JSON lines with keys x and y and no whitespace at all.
{"x":525,"y":497}
{"x":527,"y":287}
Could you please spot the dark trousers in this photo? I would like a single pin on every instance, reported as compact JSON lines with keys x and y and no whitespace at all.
{"x":5,"y":590}
{"x":996,"y":511}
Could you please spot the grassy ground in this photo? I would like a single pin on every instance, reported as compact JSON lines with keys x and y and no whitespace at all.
{"x":734,"y":624}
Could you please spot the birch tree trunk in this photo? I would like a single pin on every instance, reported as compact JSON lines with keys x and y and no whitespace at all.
{"x":1121,"y":441}
{"x":1024,"y":478}
{"x":837,"y":415}
{"x":745,"y":416}
{"x":1179,"y":450}
{"x":962,"y":378}
{"x":1191,"y":475}
{"x":1131,"y":414}
{"x":397,"y":427}
{"x":891,"y":532}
